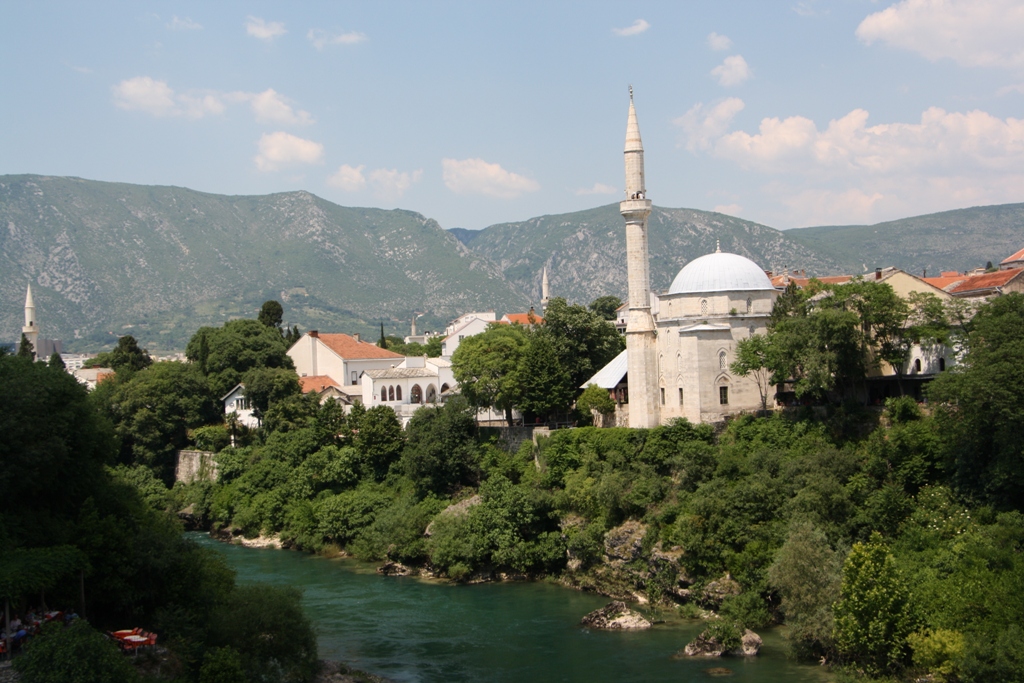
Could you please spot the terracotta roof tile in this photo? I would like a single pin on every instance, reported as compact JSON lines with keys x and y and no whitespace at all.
{"x":524,"y":318}
{"x":316,"y":383}
{"x":1013,"y":258}
{"x":986,"y":281}
{"x":347,"y":347}
{"x":945,"y":281}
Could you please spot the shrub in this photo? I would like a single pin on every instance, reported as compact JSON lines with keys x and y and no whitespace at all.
{"x":222,"y":665}
{"x":939,"y":651}
{"x":74,"y":654}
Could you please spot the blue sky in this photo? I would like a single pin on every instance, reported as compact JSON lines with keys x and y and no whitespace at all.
{"x":791,"y":113}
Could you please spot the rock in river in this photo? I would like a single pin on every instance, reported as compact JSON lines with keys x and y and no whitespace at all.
{"x":615,"y":615}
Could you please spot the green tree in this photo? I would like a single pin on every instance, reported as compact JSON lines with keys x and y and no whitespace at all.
{"x":379,"y":440}
{"x":754,"y":359}
{"x":271,"y":314}
{"x":126,"y":357}
{"x":873,"y":615}
{"x":583,"y":340}
{"x":56,"y":361}
{"x":544,"y":383}
{"x":983,"y":404}
{"x":222,"y":665}
{"x":433,"y":347}
{"x":25,"y":348}
{"x":264,"y":386}
{"x":230,"y":351}
{"x":486,"y":367}
{"x":606,"y":306}
{"x":383,"y":341}
{"x":77,"y":653}
{"x":441,"y":453}
{"x":594,"y":398}
{"x":822,"y":352}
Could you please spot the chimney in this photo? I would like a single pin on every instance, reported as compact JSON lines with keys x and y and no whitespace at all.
{"x":924,"y":273}
{"x":314,"y":333}
{"x":356,"y":336}
{"x":878,"y":273}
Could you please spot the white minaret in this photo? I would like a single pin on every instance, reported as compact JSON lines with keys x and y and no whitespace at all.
{"x":545,"y":293}
{"x":31,"y":329}
{"x":641,"y":342}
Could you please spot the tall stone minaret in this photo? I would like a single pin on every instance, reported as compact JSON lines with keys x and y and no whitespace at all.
{"x":545,"y":292}
{"x":31,"y":329}
{"x":641,"y":342}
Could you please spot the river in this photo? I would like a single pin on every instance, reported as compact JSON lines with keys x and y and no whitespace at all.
{"x":410,"y":629}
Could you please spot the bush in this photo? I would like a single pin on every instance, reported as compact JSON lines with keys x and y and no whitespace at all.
{"x":937,"y":651}
{"x":726,"y":633}
{"x":222,"y":665}
{"x":76,"y":653}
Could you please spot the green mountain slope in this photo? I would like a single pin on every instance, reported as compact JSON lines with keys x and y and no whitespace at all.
{"x":157,"y":262}
{"x":951,"y":240}
{"x":585,"y":251}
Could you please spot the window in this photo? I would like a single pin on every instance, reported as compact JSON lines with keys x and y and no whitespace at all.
{"x":703,"y":306}
{"x":680,"y":396}
{"x":942,"y":364}
{"x":752,"y":330}
{"x":398,"y":393}
{"x":917,"y":365}
{"x":355,"y":377}
{"x":663,"y":396}
{"x":391,"y":393}
{"x":750,"y":304}
{"x":416,"y":394}
{"x":723,"y":396}
{"x":721,"y":360}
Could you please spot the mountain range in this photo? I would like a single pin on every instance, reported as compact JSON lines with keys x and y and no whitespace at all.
{"x":108,"y":259}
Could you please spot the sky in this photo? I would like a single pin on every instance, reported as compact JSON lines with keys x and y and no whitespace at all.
{"x":790,"y":114}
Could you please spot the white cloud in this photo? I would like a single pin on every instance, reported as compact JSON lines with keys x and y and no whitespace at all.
{"x":348,"y":178}
{"x":183,"y":24}
{"x":284,"y":149}
{"x":82,"y":69}
{"x":983,"y":33}
{"x":145,"y":94}
{"x":321,"y":38}
{"x":390,"y":184}
{"x":598,"y":188}
{"x":476,"y":176}
{"x":262,"y":29}
{"x":732,"y":71}
{"x":1006,"y":90}
{"x":718,"y":42}
{"x":728,"y":209}
{"x":701,"y":126}
{"x":638,"y":27}
{"x":270,"y":106}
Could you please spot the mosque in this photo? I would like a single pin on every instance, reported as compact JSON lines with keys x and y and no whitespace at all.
{"x":676,"y":362}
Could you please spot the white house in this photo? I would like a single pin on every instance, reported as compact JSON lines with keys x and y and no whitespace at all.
{"x":342,"y":357}
{"x":235,"y":401}
{"x":415,"y":382}
{"x":469,"y":326}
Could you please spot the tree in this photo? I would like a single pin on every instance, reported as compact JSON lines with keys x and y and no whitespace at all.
{"x":25,"y":348}
{"x":606,"y":306}
{"x":433,"y":347}
{"x":56,"y":361}
{"x":583,"y":340}
{"x":595,"y":399}
{"x":485,"y":366}
{"x":379,"y":439}
{"x":292,"y":336}
{"x":822,"y":352}
{"x":983,"y":404}
{"x":441,"y":452}
{"x":383,"y":341}
{"x":873,"y":616}
{"x":226,"y":353}
{"x":77,"y":653}
{"x":754,"y":360}
{"x":126,"y":357}
{"x":544,"y":383}
{"x":264,"y":386}
{"x":271,"y":314}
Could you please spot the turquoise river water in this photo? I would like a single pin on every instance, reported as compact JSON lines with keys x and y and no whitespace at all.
{"x":409,"y":629}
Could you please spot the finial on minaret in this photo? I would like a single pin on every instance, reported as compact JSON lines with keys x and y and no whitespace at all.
{"x":544,"y":291}
{"x":630,"y":92}
{"x":718,"y":246}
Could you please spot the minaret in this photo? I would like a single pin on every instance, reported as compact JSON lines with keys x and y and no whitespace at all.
{"x":31,"y":329}
{"x":545,"y":293}
{"x":641,"y":341}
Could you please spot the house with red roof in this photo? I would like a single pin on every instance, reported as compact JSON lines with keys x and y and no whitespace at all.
{"x":1015,"y":260}
{"x":341,"y":358}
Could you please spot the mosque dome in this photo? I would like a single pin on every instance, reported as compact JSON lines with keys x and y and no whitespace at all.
{"x":720,"y":272}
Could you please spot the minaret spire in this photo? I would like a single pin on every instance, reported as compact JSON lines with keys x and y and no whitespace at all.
{"x":545,"y":292}
{"x":31,"y":329}
{"x":641,"y":341}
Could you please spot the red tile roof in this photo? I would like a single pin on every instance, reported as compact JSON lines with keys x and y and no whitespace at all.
{"x":945,"y":281}
{"x":524,"y":318}
{"x":1013,"y":258}
{"x":986,"y":281}
{"x":348,"y":348}
{"x":316,"y":383}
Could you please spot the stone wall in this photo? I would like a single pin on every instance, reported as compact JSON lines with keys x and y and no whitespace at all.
{"x":195,"y":466}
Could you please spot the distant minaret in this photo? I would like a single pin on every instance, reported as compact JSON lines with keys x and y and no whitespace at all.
{"x":545,"y":293}
{"x":641,"y":342}
{"x":31,"y":329}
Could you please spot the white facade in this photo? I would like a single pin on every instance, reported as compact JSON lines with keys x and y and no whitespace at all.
{"x":236,"y":402}
{"x":415,"y":382}
{"x":343,"y":358}
{"x":468,"y":328}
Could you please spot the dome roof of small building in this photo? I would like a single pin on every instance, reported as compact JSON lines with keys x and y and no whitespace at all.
{"x":720,"y":272}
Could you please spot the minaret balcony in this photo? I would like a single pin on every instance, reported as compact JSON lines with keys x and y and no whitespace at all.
{"x":628,"y":206}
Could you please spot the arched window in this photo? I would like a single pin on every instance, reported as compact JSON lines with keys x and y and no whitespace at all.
{"x":398,"y":393}
{"x":942,"y":364}
{"x":431,"y":394}
{"x":917,"y":365}
{"x":752,"y":330}
{"x":750,"y":304}
{"x":391,"y":393}
{"x":723,"y":396}
{"x":703,"y":306}
{"x":416,"y":394}
{"x":444,"y":388}
{"x":721,"y":360}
